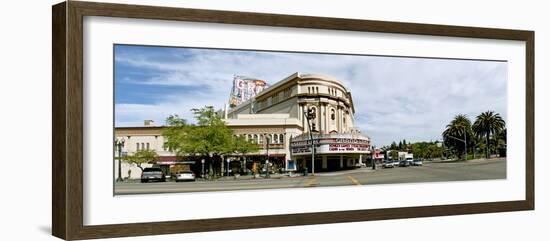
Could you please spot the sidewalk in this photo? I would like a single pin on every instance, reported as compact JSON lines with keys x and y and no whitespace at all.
{"x":296,"y":175}
{"x":273,"y":176}
{"x":261,"y":177}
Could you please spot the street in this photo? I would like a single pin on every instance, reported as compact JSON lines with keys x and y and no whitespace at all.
{"x":429,"y":172}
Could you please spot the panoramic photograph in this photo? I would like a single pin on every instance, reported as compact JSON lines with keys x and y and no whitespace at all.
{"x":190,"y":119}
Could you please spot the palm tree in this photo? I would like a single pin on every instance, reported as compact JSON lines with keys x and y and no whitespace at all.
{"x":459,"y":128}
{"x":487,"y":124}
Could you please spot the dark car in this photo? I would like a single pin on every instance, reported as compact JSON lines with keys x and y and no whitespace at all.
{"x":153,"y":174}
{"x":404,"y":163}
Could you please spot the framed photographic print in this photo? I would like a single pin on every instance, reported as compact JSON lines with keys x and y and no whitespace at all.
{"x":172,"y":120}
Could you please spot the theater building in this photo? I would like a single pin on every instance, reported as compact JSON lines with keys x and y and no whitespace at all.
{"x":273,"y":117}
{"x":277,"y":114}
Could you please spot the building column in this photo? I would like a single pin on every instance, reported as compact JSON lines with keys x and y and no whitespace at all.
{"x":301,"y":114}
{"x":304,"y":121}
{"x":324,"y":163}
{"x":286,"y":145}
{"x":340,"y":126}
{"x":326,"y":127}
{"x":322,"y":114}
{"x":341,"y":161}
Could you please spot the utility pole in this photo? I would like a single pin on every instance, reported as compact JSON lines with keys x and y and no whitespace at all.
{"x":465,"y":141}
{"x":465,"y":145}
{"x":309,"y":115}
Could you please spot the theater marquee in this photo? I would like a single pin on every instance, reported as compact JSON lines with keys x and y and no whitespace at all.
{"x":331,"y":145}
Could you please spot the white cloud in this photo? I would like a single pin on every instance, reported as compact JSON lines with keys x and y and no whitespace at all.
{"x":395,"y":98}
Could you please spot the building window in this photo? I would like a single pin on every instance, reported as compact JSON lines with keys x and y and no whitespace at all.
{"x":261,"y":140}
{"x":255,"y":138}
{"x":314,"y":120}
{"x":287,"y":93}
{"x":317,"y":90}
{"x":332,"y":114}
{"x":147,"y":145}
{"x":137,"y":146}
{"x":281,"y":138}
{"x":142,"y":146}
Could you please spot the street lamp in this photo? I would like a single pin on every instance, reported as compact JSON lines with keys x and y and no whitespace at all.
{"x":373,"y":159}
{"x":267,"y":153}
{"x":202,"y":171}
{"x":119,"y":143}
{"x":309,"y":114}
{"x":228,"y":161}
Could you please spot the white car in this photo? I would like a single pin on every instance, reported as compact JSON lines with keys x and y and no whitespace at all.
{"x":388,"y":164}
{"x":395,"y":163}
{"x":417,"y":162}
{"x":185,"y":176}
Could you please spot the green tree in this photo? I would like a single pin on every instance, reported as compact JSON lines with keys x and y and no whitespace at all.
{"x":394,"y":155}
{"x":434,"y":151}
{"x":458,"y":129}
{"x":209,"y":138}
{"x":243,"y":146}
{"x":393,"y":146}
{"x":176,"y":135}
{"x":488,"y":124}
{"x":141,"y":157}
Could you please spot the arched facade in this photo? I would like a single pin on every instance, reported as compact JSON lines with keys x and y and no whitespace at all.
{"x":278,"y":113}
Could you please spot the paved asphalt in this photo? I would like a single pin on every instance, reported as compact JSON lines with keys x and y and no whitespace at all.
{"x":430,"y":172}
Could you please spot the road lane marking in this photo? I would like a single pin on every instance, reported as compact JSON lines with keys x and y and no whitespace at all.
{"x":354,"y":181}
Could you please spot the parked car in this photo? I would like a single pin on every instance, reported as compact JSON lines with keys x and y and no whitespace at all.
{"x":388,"y":164}
{"x":417,"y":162}
{"x":153,"y":174}
{"x":185,"y":176}
{"x":404,"y":163}
{"x":396,"y":163}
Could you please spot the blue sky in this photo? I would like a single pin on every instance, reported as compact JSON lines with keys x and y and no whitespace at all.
{"x":395,"y":98}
